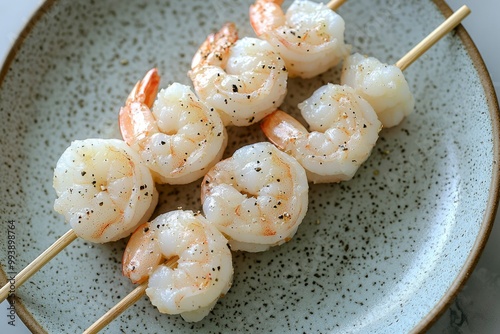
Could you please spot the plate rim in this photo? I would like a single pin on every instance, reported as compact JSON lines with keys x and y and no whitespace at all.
{"x":494,"y":192}
{"x":493,"y":196}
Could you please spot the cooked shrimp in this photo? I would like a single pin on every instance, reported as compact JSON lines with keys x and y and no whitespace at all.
{"x":180,"y":138}
{"x":344,"y":129}
{"x":244,"y":80}
{"x":104,"y":189}
{"x":383,"y":86}
{"x":186,"y":260}
{"x":310,"y":37}
{"x":257,"y":198}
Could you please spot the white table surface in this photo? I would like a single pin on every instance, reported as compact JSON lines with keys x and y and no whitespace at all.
{"x":477,"y":307}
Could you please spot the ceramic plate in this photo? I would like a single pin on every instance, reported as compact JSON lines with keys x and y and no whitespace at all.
{"x":384,"y":252}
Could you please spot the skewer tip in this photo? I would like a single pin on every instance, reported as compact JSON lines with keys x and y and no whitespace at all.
{"x":335,"y":4}
{"x":444,"y":28}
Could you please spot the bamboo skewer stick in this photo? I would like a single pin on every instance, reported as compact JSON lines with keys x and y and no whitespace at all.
{"x":448,"y":25}
{"x":38,"y":263}
{"x":125,"y":303}
{"x":118,"y":309}
{"x":335,"y":4}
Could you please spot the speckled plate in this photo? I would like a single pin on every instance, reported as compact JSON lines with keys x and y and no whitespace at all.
{"x":384,"y":252}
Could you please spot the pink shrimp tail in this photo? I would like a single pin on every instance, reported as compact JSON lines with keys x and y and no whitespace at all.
{"x":145,"y":90}
{"x":214,"y":49}
{"x":266,"y":15}
{"x":141,"y":255}
{"x":281,"y":128}
{"x":135,"y":118}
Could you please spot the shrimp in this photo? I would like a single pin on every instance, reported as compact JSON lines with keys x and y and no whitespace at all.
{"x":383,"y":86}
{"x":104,"y":189}
{"x":344,"y":129}
{"x":244,"y":80}
{"x":257,"y":198}
{"x":186,"y":259}
{"x":310,"y":37}
{"x":180,"y":138}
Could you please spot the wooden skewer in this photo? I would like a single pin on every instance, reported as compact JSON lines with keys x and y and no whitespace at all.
{"x":38,"y":263}
{"x":335,"y":4}
{"x":438,"y":33}
{"x":125,"y":303}
{"x":118,"y":309}
{"x":433,"y":37}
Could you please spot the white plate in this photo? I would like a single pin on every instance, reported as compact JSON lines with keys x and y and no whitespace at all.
{"x":382,"y":253}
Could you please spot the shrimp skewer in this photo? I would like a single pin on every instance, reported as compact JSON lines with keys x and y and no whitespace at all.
{"x":309,"y":37}
{"x":177,"y":136}
{"x":344,"y":126}
{"x":244,"y":80}
{"x":289,"y":129}
{"x":182,"y":262}
{"x":257,"y":198}
{"x":343,"y":130}
{"x":104,"y":191}
{"x":384,"y":86}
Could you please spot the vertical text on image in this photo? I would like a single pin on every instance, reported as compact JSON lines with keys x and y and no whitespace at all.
{"x":10,"y":270}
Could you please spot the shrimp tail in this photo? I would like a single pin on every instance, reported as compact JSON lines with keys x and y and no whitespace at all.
{"x":141,"y":255}
{"x":145,"y":90}
{"x":281,"y":128}
{"x":265,"y":15}
{"x":136,"y":119}
{"x":216,"y":46}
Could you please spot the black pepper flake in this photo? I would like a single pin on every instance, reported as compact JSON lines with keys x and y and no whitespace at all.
{"x":235,"y":89}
